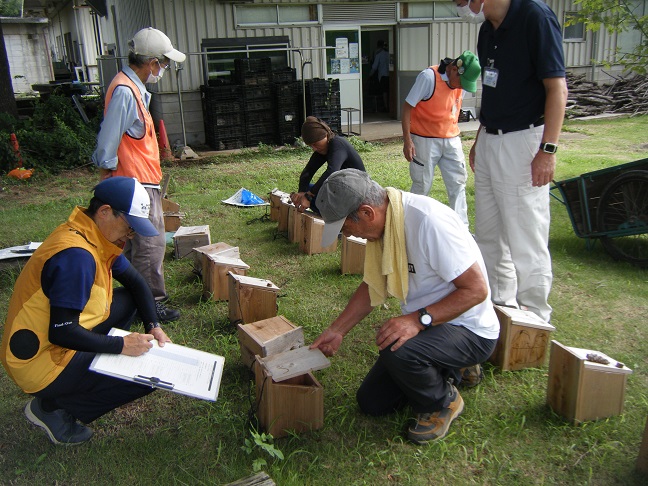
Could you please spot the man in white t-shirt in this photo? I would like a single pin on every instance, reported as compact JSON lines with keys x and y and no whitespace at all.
{"x":419,"y":251}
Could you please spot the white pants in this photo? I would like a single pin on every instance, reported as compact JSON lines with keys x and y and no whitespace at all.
{"x":448,"y":155}
{"x":512,"y":220}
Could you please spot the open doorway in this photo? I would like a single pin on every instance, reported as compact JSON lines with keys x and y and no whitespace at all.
{"x":378,"y":100}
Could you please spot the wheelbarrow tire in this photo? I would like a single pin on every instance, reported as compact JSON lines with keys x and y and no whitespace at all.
{"x":623,"y":208}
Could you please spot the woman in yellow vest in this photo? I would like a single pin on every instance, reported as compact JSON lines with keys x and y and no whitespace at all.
{"x":63,"y":306}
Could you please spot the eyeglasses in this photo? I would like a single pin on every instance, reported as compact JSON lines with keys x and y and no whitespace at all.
{"x":131,"y":231}
{"x":163,"y":66}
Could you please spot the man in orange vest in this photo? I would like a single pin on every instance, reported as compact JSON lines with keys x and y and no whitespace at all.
{"x":431,"y":131}
{"x":127,"y":146}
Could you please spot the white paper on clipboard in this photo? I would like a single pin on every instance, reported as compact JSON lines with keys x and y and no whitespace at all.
{"x":173,"y":367}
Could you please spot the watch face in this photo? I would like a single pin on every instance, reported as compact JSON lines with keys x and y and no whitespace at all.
{"x":550,"y":148}
{"x":425,"y":319}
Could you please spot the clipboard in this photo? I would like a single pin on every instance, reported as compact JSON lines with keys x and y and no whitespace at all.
{"x":175,"y":368}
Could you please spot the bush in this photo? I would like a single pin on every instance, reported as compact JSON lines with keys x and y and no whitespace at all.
{"x":56,"y":138}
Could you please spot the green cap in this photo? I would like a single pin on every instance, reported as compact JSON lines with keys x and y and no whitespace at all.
{"x":469,"y":70}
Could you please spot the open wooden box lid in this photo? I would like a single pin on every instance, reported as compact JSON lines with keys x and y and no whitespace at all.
{"x":293,"y":363}
{"x":524,"y":318}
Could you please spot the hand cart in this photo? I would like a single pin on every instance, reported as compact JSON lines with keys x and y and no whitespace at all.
{"x":610,"y":205}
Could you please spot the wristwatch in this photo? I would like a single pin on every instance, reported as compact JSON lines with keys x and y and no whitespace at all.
{"x":309,"y":196}
{"x":425,"y":318}
{"x":548,"y":147}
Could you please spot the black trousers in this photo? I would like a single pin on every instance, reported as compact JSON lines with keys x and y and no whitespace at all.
{"x":417,"y":373}
{"x":88,"y":395}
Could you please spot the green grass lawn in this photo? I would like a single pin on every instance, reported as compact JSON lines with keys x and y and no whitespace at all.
{"x":506,"y":435}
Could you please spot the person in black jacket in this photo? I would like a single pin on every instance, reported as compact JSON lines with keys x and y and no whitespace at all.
{"x":329,"y":149}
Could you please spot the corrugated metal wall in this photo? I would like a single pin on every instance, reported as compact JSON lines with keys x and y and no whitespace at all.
{"x":188,"y":22}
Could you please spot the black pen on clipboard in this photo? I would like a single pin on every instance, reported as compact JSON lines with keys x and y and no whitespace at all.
{"x":154,"y":382}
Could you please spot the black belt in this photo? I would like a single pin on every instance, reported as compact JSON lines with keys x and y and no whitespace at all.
{"x":498,"y":131}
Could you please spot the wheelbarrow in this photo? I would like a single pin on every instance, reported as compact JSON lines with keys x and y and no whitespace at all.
{"x":610,"y":205}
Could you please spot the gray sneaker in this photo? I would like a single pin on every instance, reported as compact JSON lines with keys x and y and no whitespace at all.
{"x":61,"y":427}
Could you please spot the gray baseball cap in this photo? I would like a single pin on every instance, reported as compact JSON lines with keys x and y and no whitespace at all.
{"x":341,"y":194}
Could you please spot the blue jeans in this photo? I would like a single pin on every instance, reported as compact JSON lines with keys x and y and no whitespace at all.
{"x":417,"y":373}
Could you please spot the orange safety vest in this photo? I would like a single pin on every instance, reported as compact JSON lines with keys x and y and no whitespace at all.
{"x":137,"y":157}
{"x":437,"y":116}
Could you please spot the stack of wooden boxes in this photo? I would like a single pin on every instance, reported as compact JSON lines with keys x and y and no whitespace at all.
{"x":172,"y":215}
{"x":289,"y":396}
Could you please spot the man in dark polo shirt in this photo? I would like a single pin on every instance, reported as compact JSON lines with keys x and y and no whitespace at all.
{"x":514,"y":155}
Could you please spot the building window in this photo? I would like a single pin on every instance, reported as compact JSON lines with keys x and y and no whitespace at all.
{"x":573,"y":31}
{"x":249,"y":15}
{"x":428,"y":11}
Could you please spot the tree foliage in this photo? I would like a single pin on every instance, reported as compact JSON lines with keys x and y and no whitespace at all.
{"x":618,"y":16}
{"x":11,"y":8}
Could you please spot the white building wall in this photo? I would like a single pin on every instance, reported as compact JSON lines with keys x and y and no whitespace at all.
{"x":28,"y":54}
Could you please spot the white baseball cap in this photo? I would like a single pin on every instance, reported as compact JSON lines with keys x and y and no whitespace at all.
{"x":128,"y":196}
{"x":154,"y":43}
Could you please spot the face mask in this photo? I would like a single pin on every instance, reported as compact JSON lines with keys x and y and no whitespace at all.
{"x":469,"y":16}
{"x":154,"y":79}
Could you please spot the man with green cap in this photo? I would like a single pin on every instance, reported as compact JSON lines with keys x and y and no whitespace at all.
{"x":431,"y":131}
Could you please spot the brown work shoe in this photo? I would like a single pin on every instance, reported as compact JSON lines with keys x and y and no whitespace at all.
{"x":433,"y":426}
{"x":471,"y":376}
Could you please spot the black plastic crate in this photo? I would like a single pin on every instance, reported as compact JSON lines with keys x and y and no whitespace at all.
{"x":223,"y":92}
{"x":253,"y":79}
{"x":287,"y":75}
{"x":288,"y":89}
{"x":226,"y":143}
{"x":259,"y":65}
{"x":257,"y":92}
{"x":288,"y":116}
{"x":268,"y":138}
{"x":225,"y":131}
{"x":265,"y":117}
{"x":317,"y":85}
{"x":259,"y":105}
{"x":228,"y":119}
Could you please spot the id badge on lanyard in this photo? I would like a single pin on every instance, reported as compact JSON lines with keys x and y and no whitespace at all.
{"x":490,"y":77}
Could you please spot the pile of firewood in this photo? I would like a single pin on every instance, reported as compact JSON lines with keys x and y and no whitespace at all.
{"x":622,"y":96}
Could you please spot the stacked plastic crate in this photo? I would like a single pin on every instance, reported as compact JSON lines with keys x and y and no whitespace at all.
{"x":323,"y":101}
{"x":254,"y":76}
{"x":288,"y":95}
{"x":224,"y":117}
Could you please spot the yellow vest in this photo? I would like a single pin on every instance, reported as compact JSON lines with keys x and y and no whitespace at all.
{"x":438,"y":116}
{"x":137,"y":157}
{"x":26,"y":330}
